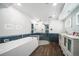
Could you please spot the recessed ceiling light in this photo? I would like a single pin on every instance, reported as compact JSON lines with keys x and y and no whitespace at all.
{"x":54,"y":4}
{"x":19,"y":4}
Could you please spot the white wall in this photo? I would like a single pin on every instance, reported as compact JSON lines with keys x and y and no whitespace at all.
{"x":74,"y":27}
{"x":13,"y":22}
{"x":56,"y":25}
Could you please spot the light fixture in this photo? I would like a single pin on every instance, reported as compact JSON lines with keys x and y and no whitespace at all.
{"x":37,"y":20}
{"x":54,"y":16}
{"x":34,"y":22}
{"x":54,"y":4}
{"x":19,"y":4}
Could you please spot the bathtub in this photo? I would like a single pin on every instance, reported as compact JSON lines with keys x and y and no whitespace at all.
{"x":20,"y":47}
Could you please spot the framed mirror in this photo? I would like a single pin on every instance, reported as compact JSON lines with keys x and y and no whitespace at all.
{"x":68,"y":23}
{"x":77,"y":18}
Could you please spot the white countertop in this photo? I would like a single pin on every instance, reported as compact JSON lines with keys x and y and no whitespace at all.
{"x":71,"y":36}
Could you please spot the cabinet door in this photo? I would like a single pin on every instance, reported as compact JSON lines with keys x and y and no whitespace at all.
{"x":65,"y":41}
{"x":69,"y":45}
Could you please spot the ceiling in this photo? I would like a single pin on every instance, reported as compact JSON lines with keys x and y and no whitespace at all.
{"x":67,"y":9}
{"x":44,"y":12}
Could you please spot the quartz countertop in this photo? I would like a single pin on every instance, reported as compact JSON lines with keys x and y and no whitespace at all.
{"x":71,"y":36}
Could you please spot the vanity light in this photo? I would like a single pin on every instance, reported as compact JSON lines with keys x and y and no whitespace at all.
{"x":54,"y":4}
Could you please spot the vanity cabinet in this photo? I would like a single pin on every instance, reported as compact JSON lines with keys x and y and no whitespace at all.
{"x":54,"y":37}
{"x":69,"y":45}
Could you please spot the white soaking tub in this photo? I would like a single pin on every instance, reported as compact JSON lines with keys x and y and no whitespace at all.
{"x":20,"y":47}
